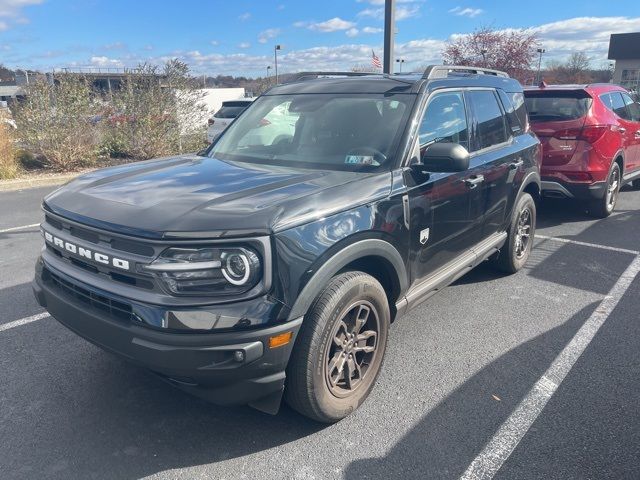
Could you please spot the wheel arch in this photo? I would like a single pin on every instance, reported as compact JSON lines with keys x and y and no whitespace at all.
{"x":375,"y":257}
{"x":531,"y":185}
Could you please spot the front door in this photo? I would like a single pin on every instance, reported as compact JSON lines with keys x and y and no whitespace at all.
{"x":443,"y":216}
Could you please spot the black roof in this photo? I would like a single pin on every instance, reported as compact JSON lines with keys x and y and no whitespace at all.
{"x":388,"y":84}
{"x":624,"y":46}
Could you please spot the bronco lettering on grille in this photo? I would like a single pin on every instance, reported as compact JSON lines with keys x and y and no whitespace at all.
{"x":85,"y":253}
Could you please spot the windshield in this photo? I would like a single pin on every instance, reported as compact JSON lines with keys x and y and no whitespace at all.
{"x":557,"y":106}
{"x":356,"y":132}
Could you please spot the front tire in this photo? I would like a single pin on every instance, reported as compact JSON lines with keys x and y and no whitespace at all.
{"x":522,"y":229}
{"x":340,"y":348}
{"x":604,"y":207}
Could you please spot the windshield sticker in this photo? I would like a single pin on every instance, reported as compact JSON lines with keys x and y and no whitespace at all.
{"x":360,"y":160}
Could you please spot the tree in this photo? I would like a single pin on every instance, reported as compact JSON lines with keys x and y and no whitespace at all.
{"x":6,"y":75}
{"x":512,"y":51}
{"x":576,"y":69}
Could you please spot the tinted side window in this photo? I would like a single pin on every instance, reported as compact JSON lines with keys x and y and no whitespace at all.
{"x":632,"y":107}
{"x":445,"y":120}
{"x":514,"y":121}
{"x":489,"y":121}
{"x":615,"y":103}
{"x":517,"y":99}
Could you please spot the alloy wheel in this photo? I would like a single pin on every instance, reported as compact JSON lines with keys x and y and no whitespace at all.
{"x":353,"y":349}
{"x":523,"y":233}
{"x":612,"y":188}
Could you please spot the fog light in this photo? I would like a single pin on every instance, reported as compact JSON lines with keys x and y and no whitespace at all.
{"x":238,"y":356}
{"x":280,"y":339}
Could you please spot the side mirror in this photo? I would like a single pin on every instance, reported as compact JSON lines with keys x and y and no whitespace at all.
{"x":445,"y":157}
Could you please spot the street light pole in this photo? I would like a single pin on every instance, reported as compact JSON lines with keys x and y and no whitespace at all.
{"x":268,"y":68}
{"x":400,"y":61}
{"x":540,"y":51}
{"x":275,"y":56}
{"x":389,"y":34}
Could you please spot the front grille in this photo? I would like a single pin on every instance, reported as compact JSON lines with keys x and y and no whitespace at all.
{"x":114,"y":308}
{"x":131,"y":246}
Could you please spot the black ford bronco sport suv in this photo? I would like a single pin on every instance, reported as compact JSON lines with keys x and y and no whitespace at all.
{"x":274,"y":262}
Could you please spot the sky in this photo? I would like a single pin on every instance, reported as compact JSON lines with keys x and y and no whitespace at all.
{"x":238,"y":37}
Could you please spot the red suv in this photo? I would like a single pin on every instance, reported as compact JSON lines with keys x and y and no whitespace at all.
{"x":590,"y":136}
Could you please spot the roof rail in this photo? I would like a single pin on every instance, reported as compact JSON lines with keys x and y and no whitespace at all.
{"x":442,"y":71}
{"x":313,"y":75}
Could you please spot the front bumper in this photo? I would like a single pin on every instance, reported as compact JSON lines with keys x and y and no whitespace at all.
{"x":208,"y":365}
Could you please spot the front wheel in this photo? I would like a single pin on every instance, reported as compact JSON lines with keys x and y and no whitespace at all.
{"x":340,"y":348}
{"x":522,"y":229}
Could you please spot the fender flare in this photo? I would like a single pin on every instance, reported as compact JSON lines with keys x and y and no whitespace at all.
{"x":531,"y":177}
{"x":350,"y":253}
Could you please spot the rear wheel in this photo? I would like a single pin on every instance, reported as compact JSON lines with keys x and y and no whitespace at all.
{"x":636,"y":184}
{"x":340,"y":348}
{"x":516,"y":250}
{"x":603,"y":207}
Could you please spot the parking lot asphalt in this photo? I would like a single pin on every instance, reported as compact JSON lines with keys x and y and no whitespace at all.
{"x":456,"y":370}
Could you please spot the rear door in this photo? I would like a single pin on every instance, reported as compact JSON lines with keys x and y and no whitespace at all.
{"x":495,"y":156}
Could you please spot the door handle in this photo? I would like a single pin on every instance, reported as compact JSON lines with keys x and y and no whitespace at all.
{"x":473,"y":182}
{"x":516,"y":165}
{"x":622,"y":130}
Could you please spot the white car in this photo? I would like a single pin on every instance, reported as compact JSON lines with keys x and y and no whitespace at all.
{"x":223,"y":117}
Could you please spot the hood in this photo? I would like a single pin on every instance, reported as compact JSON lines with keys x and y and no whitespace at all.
{"x":201,"y":196}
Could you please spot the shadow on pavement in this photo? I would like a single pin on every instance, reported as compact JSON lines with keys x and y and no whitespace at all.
{"x":590,"y":427}
{"x":448,"y":438}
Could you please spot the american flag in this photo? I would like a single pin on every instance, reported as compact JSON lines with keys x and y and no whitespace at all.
{"x":375,"y":61}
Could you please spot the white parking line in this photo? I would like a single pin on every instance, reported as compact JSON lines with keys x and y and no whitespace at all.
{"x":585,"y":244}
{"x":23,"y":321}
{"x":508,"y":436}
{"x":23,"y":227}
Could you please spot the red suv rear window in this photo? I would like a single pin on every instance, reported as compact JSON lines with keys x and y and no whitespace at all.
{"x":557,"y":106}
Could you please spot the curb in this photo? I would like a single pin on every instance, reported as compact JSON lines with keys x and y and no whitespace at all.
{"x":26,"y":183}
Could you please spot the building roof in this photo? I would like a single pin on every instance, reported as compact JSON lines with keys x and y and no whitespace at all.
{"x":10,"y":90}
{"x":624,"y":46}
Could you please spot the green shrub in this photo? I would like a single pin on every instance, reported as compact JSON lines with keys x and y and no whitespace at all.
{"x":55,"y":122}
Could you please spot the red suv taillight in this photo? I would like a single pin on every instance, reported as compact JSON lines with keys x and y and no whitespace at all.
{"x":588,"y":133}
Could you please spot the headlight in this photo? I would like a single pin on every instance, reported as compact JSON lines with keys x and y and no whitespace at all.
{"x":207,"y":271}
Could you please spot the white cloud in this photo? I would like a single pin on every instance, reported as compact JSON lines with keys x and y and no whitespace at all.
{"x":244,"y":45}
{"x":102,"y":61}
{"x":245,"y":16}
{"x":402,"y":13}
{"x":300,"y":24}
{"x":352,"y":32}
{"x":268,"y":34}
{"x":11,"y":12}
{"x":466,"y":11}
{"x":372,"y":30}
{"x":215,"y":43}
{"x":333,"y":25}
